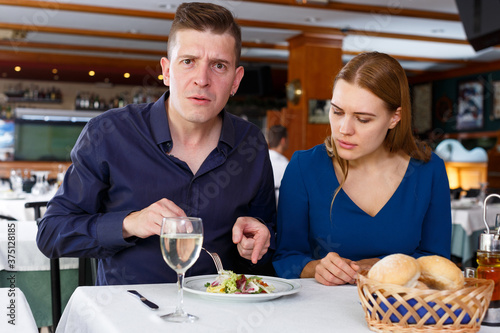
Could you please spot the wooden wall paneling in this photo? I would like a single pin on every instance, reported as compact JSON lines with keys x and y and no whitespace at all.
{"x":51,"y":166}
{"x":314,"y":60}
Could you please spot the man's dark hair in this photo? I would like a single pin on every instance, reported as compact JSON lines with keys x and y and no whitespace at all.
{"x":205,"y":17}
{"x":275,"y":134}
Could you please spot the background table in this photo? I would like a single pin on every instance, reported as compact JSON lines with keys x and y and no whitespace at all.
{"x":315,"y":308}
{"x":467,"y":226}
{"x":20,"y":314}
{"x":14,"y":206}
{"x":31,"y":269}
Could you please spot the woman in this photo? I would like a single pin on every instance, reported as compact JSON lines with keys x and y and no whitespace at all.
{"x":370,"y":190}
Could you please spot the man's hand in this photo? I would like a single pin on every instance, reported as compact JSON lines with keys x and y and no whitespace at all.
{"x":147,"y":222}
{"x":252,"y":238}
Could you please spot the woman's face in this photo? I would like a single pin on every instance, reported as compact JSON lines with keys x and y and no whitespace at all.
{"x":359,"y":121}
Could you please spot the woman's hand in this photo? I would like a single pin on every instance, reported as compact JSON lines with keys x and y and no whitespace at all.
{"x":334,"y":270}
{"x":365,"y":265}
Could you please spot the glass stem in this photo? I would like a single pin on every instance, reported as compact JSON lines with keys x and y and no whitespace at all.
{"x":180,"y":299}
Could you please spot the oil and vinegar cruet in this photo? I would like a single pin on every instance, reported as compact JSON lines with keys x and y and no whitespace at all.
{"x":488,"y":260}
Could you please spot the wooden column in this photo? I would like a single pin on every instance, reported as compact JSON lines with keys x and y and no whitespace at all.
{"x":314,"y":60}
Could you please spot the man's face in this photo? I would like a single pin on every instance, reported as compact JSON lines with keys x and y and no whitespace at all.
{"x":201,"y":73}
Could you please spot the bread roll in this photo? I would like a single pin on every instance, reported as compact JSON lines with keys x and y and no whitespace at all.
{"x":422,"y":286}
{"x":440,"y":273}
{"x":399,"y":269}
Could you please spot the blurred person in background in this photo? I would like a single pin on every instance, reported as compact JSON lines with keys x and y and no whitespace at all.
{"x":277,"y":138}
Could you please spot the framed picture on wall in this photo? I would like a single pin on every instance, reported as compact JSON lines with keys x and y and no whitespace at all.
{"x":318,"y":111}
{"x":496,"y":100}
{"x":470,"y":105}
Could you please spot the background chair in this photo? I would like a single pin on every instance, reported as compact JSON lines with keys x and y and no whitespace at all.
{"x":455,"y":193}
{"x":87,"y":270}
{"x":7,"y":218}
{"x":55,"y":277}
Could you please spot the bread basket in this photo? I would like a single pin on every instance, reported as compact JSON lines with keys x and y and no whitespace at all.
{"x":393,"y":308}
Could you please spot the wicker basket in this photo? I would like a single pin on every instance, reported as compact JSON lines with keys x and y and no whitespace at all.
{"x":392,"y":308}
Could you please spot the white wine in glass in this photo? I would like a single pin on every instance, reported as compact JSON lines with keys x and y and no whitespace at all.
{"x":180,"y":240}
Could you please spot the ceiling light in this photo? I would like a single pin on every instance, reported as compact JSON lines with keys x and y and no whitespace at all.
{"x":437,"y":31}
{"x":17,"y":68}
{"x":126,"y":75}
{"x":168,"y":6}
{"x":324,"y":2}
{"x":312,"y":19}
{"x":91,"y":73}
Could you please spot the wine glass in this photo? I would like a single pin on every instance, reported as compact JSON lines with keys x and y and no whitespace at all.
{"x":180,"y":241}
{"x":38,"y":188}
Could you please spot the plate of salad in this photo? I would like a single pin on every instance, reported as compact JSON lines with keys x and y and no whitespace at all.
{"x":240,"y":287}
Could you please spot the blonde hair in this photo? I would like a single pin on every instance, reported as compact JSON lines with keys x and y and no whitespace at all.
{"x":383,"y":76}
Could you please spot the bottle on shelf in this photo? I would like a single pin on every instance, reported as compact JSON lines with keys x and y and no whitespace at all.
{"x":33,"y":93}
{"x":121,"y":102}
{"x":78,"y":101}
{"x":96,"y":102}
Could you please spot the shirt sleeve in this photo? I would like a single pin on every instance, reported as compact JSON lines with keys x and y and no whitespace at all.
{"x":293,"y":249}
{"x":436,"y":226}
{"x":74,"y":224}
{"x":263,"y":208}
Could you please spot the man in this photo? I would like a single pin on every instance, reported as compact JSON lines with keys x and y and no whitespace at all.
{"x":183,"y":155}
{"x":277,"y":138}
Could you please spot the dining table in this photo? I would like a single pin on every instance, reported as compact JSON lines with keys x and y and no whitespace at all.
{"x":13,"y":204}
{"x":24,"y":266}
{"x":313,"y":307}
{"x":467,"y":226}
{"x":16,"y":312}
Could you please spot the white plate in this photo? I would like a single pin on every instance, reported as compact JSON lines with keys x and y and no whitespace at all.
{"x":196,"y":285}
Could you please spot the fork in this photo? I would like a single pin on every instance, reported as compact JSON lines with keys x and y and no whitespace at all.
{"x":216,"y":259}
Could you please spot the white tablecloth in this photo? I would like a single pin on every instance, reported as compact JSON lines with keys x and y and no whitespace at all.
{"x":16,"y":313}
{"x":315,"y":308}
{"x":18,"y":249}
{"x":470,"y":218}
{"x":12,"y":206}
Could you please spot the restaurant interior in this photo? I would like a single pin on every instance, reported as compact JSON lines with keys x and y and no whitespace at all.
{"x":64,"y":62}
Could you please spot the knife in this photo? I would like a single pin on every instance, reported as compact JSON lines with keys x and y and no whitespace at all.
{"x":144,"y":300}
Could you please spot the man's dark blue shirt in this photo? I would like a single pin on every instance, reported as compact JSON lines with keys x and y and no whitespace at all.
{"x":121,"y":164}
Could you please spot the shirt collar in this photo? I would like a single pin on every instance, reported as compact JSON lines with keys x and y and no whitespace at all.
{"x":161,"y":130}
{"x":159,"y":124}
{"x":227,"y":137}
